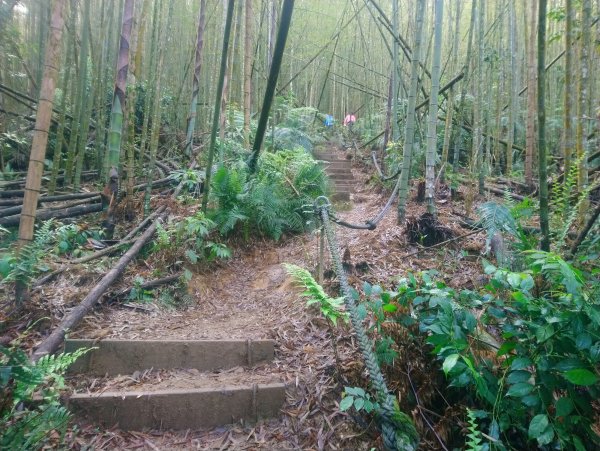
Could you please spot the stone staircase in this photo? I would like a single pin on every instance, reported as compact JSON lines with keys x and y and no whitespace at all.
{"x":206,"y":396}
{"x":339,"y":171}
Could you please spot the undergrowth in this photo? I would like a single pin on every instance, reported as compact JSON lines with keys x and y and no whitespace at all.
{"x":275,"y":201}
{"x":31,"y":415}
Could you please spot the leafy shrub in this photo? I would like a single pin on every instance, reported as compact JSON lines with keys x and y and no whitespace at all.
{"x":25,"y":424}
{"x":289,"y":138}
{"x":191,"y":236}
{"x":527,"y":361}
{"x":272,"y":202}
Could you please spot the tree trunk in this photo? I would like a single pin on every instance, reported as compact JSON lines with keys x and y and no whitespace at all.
{"x":119,"y":96}
{"x":196,"y":82}
{"x":40,"y":135}
{"x":450,"y":104}
{"x":409,"y":130}
{"x":217,"y":110}
{"x":513,"y":85}
{"x":583,"y":108}
{"x":284,"y":25}
{"x":541,"y":88}
{"x":433,"y":109}
{"x":463,"y":92}
{"x":248,"y":73}
{"x":530,"y":145}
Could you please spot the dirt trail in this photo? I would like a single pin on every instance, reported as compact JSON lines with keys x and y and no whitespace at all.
{"x":250,"y":297}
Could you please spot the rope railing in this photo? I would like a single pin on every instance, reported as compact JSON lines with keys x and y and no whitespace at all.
{"x":398,"y":432}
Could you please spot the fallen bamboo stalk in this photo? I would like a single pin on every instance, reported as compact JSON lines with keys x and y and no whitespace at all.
{"x":54,"y":340}
{"x":18,"y":203}
{"x":143,"y":224}
{"x":583,"y":233}
{"x":17,"y":209}
{"x":443,"y":243}
{"x":101,"y":253}
{"x":69,"y":212}
{"x":85,"y":259}
{"x":86,"y":175}
{"x":151,"y":284}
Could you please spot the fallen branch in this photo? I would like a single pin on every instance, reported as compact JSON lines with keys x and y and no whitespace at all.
{"x":53,"y":341}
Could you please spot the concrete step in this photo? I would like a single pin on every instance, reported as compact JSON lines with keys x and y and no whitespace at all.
{"x":126,"y":356}
{"x":181,"y":409}
{"x":341,"y":176}
{"x":340,"y":197}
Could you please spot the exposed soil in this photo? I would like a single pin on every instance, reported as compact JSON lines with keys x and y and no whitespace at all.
{"x":251,"y":296}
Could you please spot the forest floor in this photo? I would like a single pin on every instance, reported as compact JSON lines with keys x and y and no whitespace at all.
{"x":251,"y":297}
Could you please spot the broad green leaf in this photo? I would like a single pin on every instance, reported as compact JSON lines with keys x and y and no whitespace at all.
{"x":538,"y":425}
{"x":359,"y":403}
{"x":514,"y":280}
{"x":450,"y":362}
{"x":520,"y":389}
{"x":520,"y":363}
{"x":581,"y":376}
{"x":564,"y":406}
{"x":346,"y":403}
{"x":544,"y":333}
{"x":390,"y":308}
{"x":583,"y":341}
{"x":518,"y":376}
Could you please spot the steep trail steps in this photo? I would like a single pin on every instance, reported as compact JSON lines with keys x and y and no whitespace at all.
{"x":339,"y":170}
{"x":175,"y":384}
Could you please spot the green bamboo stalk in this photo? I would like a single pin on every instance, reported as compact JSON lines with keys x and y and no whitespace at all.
{"x":116,"y":116}
{"x":541,"y":86}
{"x":191,"y":125}
{"x":60,"y":132}
{"x":284,"y":25}
{"x":156,"y":114}
{"x":86,"y":107}
{"x":433,"y":109}
{"x":409,"y":132}
{"x":217,"y":110}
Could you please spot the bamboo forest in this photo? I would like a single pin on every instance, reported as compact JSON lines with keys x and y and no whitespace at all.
{"x":300,"y":225}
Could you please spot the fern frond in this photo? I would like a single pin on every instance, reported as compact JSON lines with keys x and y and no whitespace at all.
{"x":331,"y":308}
{"x":495,"y":218}
{"x":474,"y":436}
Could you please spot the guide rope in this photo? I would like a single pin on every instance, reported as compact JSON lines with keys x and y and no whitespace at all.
{"x":397,"y":429}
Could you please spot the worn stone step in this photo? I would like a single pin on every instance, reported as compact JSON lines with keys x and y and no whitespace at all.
{"x":181,"y":409}
{"x":339,"y":176}
{"x":126,"y":356}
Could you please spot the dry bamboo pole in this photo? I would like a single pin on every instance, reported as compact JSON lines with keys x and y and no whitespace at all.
{"x":40,"y":137}
{"x":54,"y":340}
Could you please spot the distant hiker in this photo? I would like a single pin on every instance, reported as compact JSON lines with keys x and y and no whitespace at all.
{"x":349,"y":120}
{"x":328,"y":120}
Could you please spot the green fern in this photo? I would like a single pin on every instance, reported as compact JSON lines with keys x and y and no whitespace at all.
{"x":271,"y":203}
{"x":474,"y":436}
{"x":20,"y":381}
{"x":25,"y":263}
{"x":331,"y":308}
